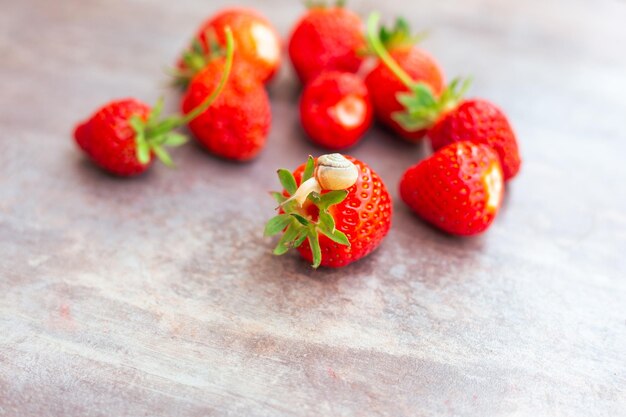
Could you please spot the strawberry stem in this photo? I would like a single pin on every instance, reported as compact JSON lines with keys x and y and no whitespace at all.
{"x":153,"y":134}
{"x":174,"y":122}
{"x":377,"y":46}
{"x":230,"y":49}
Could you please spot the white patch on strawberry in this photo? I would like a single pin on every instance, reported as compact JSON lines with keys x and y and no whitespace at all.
{"x":349,"y":112}
{"x":267,"y":45}
{"x":493,"y":186}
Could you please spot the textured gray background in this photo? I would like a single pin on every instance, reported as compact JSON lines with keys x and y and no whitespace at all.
{"x":158,"y":296}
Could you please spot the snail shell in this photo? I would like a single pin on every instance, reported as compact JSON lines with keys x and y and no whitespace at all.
{"x":335,"y":172}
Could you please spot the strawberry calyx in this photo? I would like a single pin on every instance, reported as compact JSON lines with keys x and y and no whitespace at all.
{"x":196,"y":57}
{"x":307,"y":221}
{"x":154,"y":134}
{"x":421,"y":107}
{"x":399,"y":36}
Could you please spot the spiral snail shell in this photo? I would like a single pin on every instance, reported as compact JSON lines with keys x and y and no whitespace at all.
{"x":335,"y":172}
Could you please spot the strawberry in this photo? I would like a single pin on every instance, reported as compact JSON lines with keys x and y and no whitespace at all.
{"x":335,"y":109}
{"x":396,"y":72}
{"x":258,"y":44}
{"x":108,"y":138}
{"x":327,"y":38}
{"x":124,"y":136}
{"x":457,"y":189}
{"x":338,"y":211}
{"x":479,"y":121}
{"x":237,"y":125}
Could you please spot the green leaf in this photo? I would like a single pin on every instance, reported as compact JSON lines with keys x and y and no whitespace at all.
{"x":300,"y":219}
{"x":278,"y":197}
{"x":309,"y":168}
{"x":286,"y":241}
{"x":136,"y":123}
{"x":304,"y":233}
{"x":163,"y":156}
{"x":424,"y":95}
{"x":399,"y":35}
{"x":287,"y":180}
{"x":338,"y":237}
{"x":143,"y":149}
{"x":332,"y":198}
{"x":174,"y":139}
{"x":316,"y":251}
{"x":276,"y":224}
{"x":155,"y":114}
{"x":314,"y":197}
{"x":409,"y":122}
{"x":326,"y":222}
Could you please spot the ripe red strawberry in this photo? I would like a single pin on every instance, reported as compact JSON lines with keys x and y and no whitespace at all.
{"x":479,"y":121}
{"x":124,"y":136}
{"x":458,"y":189}
{"x":237,"y":124}
{"x":258,"y":44}
{"x":336,"y":227}
{"x":326,"y":39}
{"x":335,"y":109}
{"x":397,"y":72}
{"x":108,"y":138}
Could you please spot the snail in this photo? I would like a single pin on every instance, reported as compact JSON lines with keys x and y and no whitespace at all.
{"x":333,"y":172}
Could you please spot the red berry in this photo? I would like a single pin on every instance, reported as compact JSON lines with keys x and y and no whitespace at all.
{"x":479,"y":121}
{"x":326,"y":39}
{"x":384,"y":86}
{"x":109,"y":140}
{"x":238,"y":122}
{"x":335,"y":109}
{"x":362,"y":218}
{"x":458,"y":189}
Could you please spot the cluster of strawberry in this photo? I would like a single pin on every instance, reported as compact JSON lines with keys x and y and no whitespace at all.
{"x":334,"y":209}
{"x":225,"y":105}
{"x":458,"y":189}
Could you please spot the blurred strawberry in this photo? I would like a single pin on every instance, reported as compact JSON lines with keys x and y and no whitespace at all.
{"x":326,"y":38}
{"x":335,"y":109}
{"x":258,"y":44}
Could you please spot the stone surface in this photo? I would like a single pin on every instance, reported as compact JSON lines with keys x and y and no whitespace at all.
{"x":159,"y":296}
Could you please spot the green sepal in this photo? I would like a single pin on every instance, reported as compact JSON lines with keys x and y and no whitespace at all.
{"x":309,"y":169}
{"x":277,"y":224}
{"x":301,"y":238}
{"x":197,"y":57}
{"x":154,"y":134}
{"x":316,"y":250}
{"x":155,"y":114}
{"x":296,"y":222}
{"x":287,"y":240}
{"x":399,"y":36}
{"x":314,"y":197}
{"x":327,"y":227}
{"x":278,"y":197}
{"x":338,"y":237}
{"x":163,"y":156}
{"x":143,"y":149}
{"x":301,"y":219}
{"x":287,"y":181}
{"x":422,"y":108}
{"x":174,"y":139}
{"x":331,"y":198}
